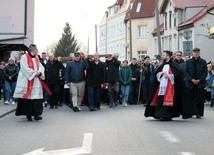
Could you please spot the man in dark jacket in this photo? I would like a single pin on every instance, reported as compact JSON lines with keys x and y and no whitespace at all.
{"x":95,"y":78}
{"x":75,"y":77}
{"x":133,"y":96}
{"x":112,"y":68}
{"x":195,"y":74}
{"x":53,"y":80}
{"x":179,"y":60}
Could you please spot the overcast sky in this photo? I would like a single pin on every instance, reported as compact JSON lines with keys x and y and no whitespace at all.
{"x":51,"y":16}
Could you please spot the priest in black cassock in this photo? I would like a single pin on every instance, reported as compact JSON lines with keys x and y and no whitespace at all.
{"x":165,"y":100}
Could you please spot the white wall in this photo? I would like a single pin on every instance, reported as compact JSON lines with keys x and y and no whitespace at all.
{"x":12,"y":21}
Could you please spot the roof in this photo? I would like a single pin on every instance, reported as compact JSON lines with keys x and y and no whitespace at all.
{"x":177,"y":4}
{"x":147,"y":9}
{"x":161,"y":28}
{"x":199,"y":15}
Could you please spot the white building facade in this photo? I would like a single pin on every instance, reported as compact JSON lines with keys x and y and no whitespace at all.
{"x":112,"y":31}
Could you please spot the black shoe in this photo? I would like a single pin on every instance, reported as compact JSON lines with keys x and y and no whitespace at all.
{"x":29,"y":118}
{"x":98,"y":108}
{"x":76,"y":109}
{"x":37,"y":118}
{"x":212,"y":103}
{"x":198,"y":116}
{"x":165,"y":119}
{"x":51,"y":107}
{"x":60,"y":105}
{"x":56,"y":107}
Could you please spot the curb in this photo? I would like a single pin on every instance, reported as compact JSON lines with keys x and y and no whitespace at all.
{"x":7,"y":113}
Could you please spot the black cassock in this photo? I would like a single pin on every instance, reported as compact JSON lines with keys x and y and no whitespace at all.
{"x":180,"y":107}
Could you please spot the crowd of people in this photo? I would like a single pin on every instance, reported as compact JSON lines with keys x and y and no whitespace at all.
{"x":171,"y":88}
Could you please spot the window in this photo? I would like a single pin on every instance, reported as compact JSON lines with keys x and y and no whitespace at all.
{"x":170,"y":19}
{"x":187,"y":47}
{"x":175,"y":22}
{"x":165,"y":20}
{"x":142,"y":31}
{"x":139,"y":5}
{"x":142,"y":54}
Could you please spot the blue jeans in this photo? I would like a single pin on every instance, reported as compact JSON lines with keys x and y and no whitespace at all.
{"x":125,"y":92}
{"x":9,"y":88}
{"x":94,"y":97}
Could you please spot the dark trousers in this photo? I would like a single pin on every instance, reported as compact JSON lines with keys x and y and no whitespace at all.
{"x":66,"y":96}
{"x":54,"y":98}
{"x":133,"y":93}
{"x":146,"y":89}
{"x":94,"y":97}
{"x":197,"y":97}
{"x":113,"y":92}
{"x":61,"y":92}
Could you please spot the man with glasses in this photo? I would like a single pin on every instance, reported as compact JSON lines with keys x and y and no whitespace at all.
{"x":179,"y":60}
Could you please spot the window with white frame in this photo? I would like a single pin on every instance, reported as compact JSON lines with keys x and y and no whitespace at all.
{"x":142,"y":54}
{"x":139,"y":5}
{"x":142,"y":31}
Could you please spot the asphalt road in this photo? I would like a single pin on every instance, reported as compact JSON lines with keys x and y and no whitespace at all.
{"x":118,"y":131}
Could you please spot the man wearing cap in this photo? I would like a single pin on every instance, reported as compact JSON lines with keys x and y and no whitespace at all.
{"x":75,"y":77}
{"x":196,"y":73}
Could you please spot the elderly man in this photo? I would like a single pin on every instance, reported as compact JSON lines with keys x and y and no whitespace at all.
{"x":195,"y":74}
{"x":54,"y":74}
{"x":29,"y":87}
{"x":112,"y":69}
{"x":95,"y":78}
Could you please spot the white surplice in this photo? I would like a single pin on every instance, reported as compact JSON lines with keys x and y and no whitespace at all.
{"x":26,"y":73}
{"x":163,"y":80}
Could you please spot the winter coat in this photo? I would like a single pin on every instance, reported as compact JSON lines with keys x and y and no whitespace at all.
{"x":11,"y":70}
{"x":75,"y":71}
{"x":135,"y":72}
{"x":95,"y":74}
{"x":112,"y":69}
{"x":181,"y":63}
{"x":200,"y":74}
{"x":54,"y":71}
{"x":125,"y":75}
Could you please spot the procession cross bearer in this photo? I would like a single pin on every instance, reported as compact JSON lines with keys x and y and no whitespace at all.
{"x":165,"y":100}
{"x":29,"y":88}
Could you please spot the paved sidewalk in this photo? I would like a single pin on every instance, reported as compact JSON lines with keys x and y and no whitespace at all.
{"x":6,"y":109}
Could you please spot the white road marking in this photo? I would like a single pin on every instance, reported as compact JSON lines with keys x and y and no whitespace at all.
{"x":170,"y":137}
{"x":85,"y":149}
{"x":187,"y":153}
{"x":87,"y":143}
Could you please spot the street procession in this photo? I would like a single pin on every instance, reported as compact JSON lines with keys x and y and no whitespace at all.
{"x":106,"y":77}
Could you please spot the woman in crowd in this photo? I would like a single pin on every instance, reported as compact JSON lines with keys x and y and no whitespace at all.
{"x":10,"y":74}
